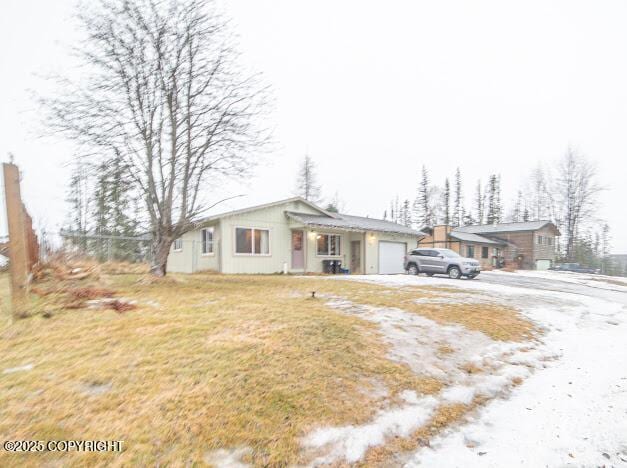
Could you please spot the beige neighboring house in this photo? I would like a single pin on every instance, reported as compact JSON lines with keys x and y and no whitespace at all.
{"x":292,"y":236}
{"x":529,"y":245}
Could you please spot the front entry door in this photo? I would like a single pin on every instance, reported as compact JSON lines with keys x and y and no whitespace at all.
{"x":355,"y":256}
{"x":298,"y":250}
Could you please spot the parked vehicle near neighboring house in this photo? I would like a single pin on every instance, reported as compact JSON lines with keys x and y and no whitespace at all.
{"x":575,"y":268}
{"x":440,"y":261}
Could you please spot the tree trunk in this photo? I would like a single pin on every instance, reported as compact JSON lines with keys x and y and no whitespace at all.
{"x":160,"y":252}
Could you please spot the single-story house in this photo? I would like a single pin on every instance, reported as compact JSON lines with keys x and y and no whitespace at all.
{"x":292,"y":236}
{"x":526,"y":245}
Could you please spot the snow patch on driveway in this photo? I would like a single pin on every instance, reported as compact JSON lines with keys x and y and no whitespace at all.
{"x":610,"y":283}
{"x":573,"y":413}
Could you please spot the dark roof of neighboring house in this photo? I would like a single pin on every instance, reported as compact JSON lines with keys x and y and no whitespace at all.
{"x":355,"y":223}
{"x":504,"y":227}
{"x":470,"y":237}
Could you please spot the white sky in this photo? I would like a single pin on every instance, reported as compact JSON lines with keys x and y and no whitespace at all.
{"x":373,"y":90}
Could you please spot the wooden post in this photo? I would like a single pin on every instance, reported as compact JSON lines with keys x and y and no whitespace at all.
{"x":18,"y":255}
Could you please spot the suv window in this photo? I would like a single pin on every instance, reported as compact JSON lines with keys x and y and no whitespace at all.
{"x":421,"y":253}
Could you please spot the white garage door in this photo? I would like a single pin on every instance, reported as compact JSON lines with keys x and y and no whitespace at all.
{"x":543,"y":264}
{"x":391,"y":256}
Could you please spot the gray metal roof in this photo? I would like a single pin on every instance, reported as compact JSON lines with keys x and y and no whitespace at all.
{"x":470,"y":237}
{"x":355,"y":223}
{"x":503,"y":227}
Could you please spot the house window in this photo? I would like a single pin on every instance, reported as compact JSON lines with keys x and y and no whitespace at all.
{"x":206,"y":241}
{"x":328,"y":244}
{"x":252,"y":241}
{"x":178,"y":244}
{"x":540,"y":240}
{"x":485,"y":252}
{"x":470,"y":251}
{"x":549,"y":241}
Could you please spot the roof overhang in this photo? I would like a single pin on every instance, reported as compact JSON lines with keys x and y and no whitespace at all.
{"x":313,"y":224}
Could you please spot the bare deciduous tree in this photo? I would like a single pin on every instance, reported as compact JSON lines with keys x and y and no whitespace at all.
{"x":307,"y":182}
{"x":161,"y":90}
{"x":576,"y":190}
{"x":538,"y":194}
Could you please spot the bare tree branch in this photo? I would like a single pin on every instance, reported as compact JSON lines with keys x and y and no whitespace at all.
{"x":163,"y":89}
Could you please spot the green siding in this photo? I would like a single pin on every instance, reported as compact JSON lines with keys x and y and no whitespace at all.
{"x":280,"y":227}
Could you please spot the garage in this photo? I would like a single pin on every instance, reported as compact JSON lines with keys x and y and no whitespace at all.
{"x":543,"y":264}
{"x":391,"y":256}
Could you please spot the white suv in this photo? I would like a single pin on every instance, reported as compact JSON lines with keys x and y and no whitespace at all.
{"x":441,"y":261}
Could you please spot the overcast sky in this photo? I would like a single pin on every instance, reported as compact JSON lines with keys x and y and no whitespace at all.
{"x":374,"y":90}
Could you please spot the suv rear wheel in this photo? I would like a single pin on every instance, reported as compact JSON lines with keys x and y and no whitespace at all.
{"x":454,"y":272}
{"x":412,"y":269}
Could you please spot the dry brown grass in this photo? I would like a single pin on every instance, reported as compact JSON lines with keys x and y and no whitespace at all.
{"x":222,"y":362}
{"x":495,"y":320}
{"x":123,"y":268}
{"x":209,"y":362}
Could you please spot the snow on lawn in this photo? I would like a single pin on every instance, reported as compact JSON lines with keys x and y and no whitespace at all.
{"x":418,"y":342}
{"x":571,"y":413}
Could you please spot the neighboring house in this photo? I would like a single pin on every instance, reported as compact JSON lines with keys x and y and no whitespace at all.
{"x":293,"y":236}
{"x":528,"y":245}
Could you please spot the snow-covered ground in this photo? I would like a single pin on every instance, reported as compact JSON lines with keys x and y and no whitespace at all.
{"x":614,"y":283}
{"x":570,"y":410}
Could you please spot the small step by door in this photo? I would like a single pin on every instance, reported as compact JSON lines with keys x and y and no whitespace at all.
{"x":298,"y":250}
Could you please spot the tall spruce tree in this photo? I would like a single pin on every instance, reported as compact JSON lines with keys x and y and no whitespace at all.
{"x":517,"y":212}
{"x":79,"y":200}
{"x":446,"y":203}
{"x":405,"y":217}
{"x":424,"y":215}
{"x":458,"y":201}
{"x":479,"y":204}
{"x":101,"y":215}
{"x":493,"y":215}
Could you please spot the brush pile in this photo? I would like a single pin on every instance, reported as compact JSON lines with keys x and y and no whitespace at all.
{"x":64,"y":282}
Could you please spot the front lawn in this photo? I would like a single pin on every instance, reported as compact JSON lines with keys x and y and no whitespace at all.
{"x":210,"y":363}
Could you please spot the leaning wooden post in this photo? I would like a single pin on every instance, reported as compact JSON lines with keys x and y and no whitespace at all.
{"x":18,"y":257}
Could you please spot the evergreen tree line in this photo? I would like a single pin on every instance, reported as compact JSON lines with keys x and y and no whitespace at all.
{"x":104,"y":212}
{"x":446,"y":204}
{"x":564,"y":192}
